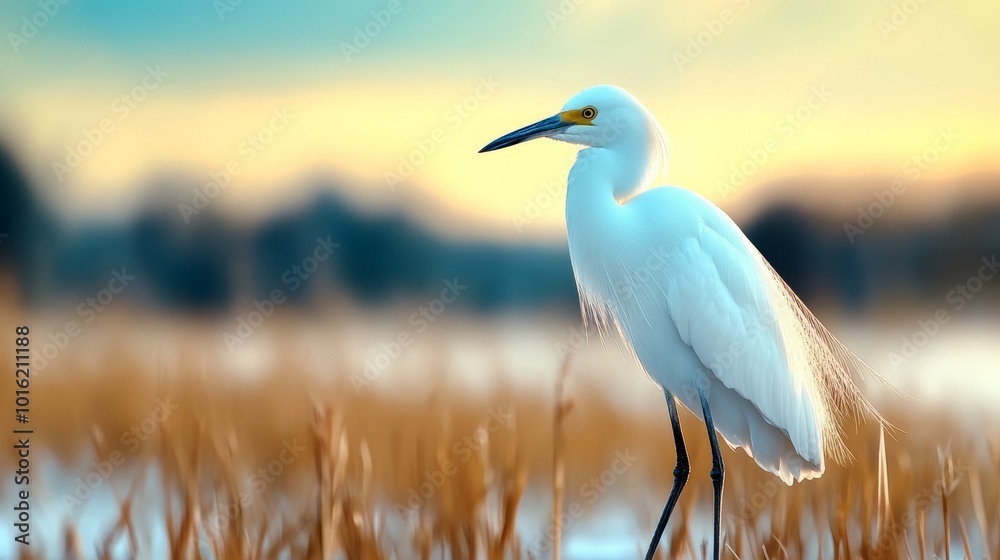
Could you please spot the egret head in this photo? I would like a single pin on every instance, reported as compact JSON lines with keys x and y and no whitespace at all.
{"x":601,"y":116}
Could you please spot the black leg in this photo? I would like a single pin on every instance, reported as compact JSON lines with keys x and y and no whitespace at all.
{"x":681,"y":472}
{"x":718,"y":472}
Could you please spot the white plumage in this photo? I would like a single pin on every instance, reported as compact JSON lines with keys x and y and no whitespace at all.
{"x":691,"y":297}
{"x":694,"y":318}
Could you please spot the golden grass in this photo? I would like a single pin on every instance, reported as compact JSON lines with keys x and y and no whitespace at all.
{"x":354,"y":491}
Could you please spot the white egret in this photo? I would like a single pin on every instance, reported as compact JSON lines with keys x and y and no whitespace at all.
{"x":705,"y":315}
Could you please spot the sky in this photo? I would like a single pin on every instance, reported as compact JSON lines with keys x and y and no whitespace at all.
{"x":395,"y":97}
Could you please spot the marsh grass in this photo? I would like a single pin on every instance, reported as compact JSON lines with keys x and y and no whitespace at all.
{"x":373,"y":480}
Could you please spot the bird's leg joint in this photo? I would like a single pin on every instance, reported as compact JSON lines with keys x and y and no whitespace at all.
{"x":718,"y":472}
{"x":681,"y":472}
{"x":683,"y":468}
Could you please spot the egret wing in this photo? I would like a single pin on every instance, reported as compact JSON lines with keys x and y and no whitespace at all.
{"x":758,"y":339}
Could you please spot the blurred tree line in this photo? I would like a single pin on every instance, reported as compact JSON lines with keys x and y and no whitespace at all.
{"x":212,"y":263}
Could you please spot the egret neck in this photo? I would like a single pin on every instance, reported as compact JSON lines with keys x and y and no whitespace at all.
{"x":600,"y":184}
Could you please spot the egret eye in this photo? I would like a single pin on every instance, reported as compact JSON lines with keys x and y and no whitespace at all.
{"x":588,"y":113}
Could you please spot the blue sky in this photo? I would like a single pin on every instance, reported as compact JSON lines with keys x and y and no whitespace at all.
{"x":893,"y":88}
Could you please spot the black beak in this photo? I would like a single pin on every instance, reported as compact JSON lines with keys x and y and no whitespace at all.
{"x":540,"y":129}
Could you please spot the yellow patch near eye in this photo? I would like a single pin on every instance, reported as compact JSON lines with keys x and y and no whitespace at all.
{"x":576,"y":116}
